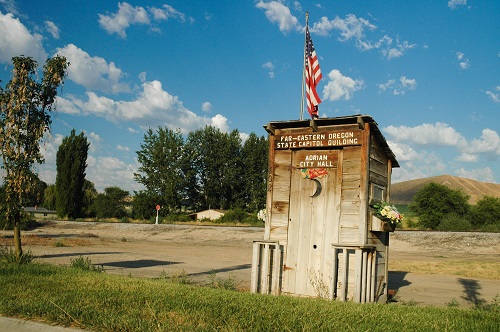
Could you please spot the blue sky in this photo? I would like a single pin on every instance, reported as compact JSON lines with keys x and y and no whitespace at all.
{"x":427,"y":71}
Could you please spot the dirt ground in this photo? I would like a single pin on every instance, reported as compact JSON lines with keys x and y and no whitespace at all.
{"x":141,"y":250}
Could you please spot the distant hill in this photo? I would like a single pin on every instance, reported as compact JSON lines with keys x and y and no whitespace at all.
{"x":403,"y":192}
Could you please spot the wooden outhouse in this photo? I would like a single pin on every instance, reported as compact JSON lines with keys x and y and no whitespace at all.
{"x":320,"y":237}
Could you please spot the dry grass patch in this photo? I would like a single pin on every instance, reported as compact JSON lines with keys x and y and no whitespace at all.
{"x":462,"y":268}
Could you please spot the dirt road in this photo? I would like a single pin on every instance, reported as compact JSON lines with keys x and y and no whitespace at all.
{"x":141,"y":250}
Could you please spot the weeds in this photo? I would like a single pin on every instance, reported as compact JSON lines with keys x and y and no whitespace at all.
{"x":8,"y":255}
{"x":221,"y":283}
{"x":181,"y":278}
{"x":85,"y":264}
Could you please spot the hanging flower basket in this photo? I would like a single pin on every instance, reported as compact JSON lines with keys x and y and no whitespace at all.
{"x":384,"y":217}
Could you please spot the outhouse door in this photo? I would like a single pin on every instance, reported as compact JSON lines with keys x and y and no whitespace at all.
{"x":313,"y":222}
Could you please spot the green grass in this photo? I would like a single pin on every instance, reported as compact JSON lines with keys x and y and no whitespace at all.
{"x":98,"y":301}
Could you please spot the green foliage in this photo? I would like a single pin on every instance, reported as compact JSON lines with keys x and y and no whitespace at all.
{"x":207,"y":169}
{"x":144,"y":205}
{"x":111,"y":204}
{"x":454,"y":222}
{"x":8,"y":255}
{"x":434,"y":201}
{"x":486,"y":212}
{"x":71,"y":162}
{"x":103,"y":302}
{"x":49,"y":201}
{"x":160,"y":171}
{"x":25,"y":106}
{"x":229,"y":283}
{"x":89,"y":194}
{"x":255,"y":156}
{"x":175,"y":217}
{"x":85,"y":264}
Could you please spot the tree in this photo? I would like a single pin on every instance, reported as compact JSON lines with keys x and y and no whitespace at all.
{"x":486,"y":212}
{"x":255,"y":156}
{"x":160,"y":171}
{"x":144,"y":205}
{"x":25,"y":107}
{"x":216,"y":160}
{"x":71,"y":162}
{"x":89,"y":194}
{"x":111,"y":204}
{"x":49,"y":201}
{"x":434,"y":201}
{"x":36,"y":197}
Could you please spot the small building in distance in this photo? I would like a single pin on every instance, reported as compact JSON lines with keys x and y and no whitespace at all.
{"x":39,"y":212}
{"x":211,"y":214}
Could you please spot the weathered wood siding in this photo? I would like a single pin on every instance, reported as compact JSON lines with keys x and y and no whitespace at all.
{"x":327,"y":238}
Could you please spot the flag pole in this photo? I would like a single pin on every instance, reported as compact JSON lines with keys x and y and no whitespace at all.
{"x":303,"y":71}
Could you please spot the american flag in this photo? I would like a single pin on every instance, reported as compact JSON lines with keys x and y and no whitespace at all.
{"x":312,"y":75}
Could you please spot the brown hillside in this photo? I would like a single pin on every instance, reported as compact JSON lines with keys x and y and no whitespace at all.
{"x":403,"y":192}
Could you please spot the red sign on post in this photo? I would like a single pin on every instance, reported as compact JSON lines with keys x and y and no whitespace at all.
{"x":158,"y":207}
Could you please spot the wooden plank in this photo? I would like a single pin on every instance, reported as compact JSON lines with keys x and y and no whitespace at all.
{"x":378,"y":167}
{"x":358,"y":257}
{"x":363,"y":276}
{"x":364,"y":186}
{"x":352,"y":167}
{"x":275,"y":290}
{"x":350,"y":207}
{"x":379,"y":179}
{"x":255,"y":268}
{"x":265,"y":268}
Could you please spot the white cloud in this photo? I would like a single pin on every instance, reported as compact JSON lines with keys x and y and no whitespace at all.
{"x":400,"y":88}
{"x":94,"y":73}
{"x":463,"y":62}
{"x":270,"y":67}
{"x":467,"y":158}
{"x":340,"y":86}
{"x":488,"y":144}
{"x":206,"y":107}
{"x":356,"y":28}
{"x":17,"y":40}
{"x":10,"y":6}
{"x":403,"y":151}
{"x":128,"y":15}
{"x":495,"y":96}
{"x":419,"y":163}
{"x":480,"y":174}
{"x":423,"y":165}
{"x":353,"y":27}
{"x":438,"y":134}
{"x":277,"y":12}
{"x":396,"y":51}
{"x":52,"y":29}
{"x":122,"y":148}
{"x":166,"y":12}
{"x":107,"y":172}
{"x":153,"y":107}
{"x":123,"y":18}
{"x":455,"y":3}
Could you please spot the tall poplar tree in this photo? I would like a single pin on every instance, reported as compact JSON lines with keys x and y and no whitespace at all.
{"x":71,"y":165}
{"x":25,"y":107}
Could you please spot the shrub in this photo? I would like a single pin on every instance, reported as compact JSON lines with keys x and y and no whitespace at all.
{"x":434,"y":201}
{"x":454,"y":223}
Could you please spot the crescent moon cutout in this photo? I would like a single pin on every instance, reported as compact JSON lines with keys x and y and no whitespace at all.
{"x":318,"y":188}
